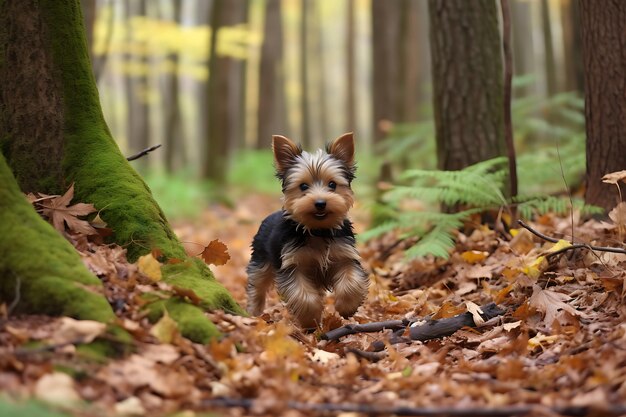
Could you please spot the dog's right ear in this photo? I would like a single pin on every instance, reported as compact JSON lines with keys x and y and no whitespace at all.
{"x":285,"y":152}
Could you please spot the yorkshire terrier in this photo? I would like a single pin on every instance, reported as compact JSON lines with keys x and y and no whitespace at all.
{"x":308,"y":247}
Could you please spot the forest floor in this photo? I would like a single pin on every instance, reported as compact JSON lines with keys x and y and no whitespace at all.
{"x":558,"y":346}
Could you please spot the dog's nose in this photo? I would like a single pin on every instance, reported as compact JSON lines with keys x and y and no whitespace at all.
{"x":320,"y":204}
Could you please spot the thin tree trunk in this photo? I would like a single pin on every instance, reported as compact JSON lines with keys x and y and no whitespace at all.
{"x":385,"y":19}
{"x":350,"y":68}
{"x":271,"y":120}
{"x":550,"y":64}
{"x":304,"y":74}
{"x":604,"y":54}
{"x":570,"y":20}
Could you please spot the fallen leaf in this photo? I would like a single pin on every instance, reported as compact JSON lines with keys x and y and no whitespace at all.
{"x":78,"y":331}
{"x":476,"y":312}
{"x":56,"y":388}
{"x":510,"y":326}
{"x":149,"y":267}
{"x":215,"y":253}
{"x":614,"y":177}
{"x":618,"y":216}
{"x":535,"y":267}
{"x":474,"y":256}
{"x":561,"y":244}
{"x":60,"y":213}
{"x":165,"y":330}
{"x":131,"y":406}
{"x":549,"y":303}
{"x":323,"y":356}
{"x":542,"y":340}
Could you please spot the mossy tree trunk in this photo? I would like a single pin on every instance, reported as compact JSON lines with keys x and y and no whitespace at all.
{"x":467,"y":82}
{"x":53,"y":133}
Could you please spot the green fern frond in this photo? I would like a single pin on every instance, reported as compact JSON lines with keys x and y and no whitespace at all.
{"x":437,"y":242}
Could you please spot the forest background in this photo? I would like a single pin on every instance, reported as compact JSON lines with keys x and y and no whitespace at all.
{"x":312,"y":70}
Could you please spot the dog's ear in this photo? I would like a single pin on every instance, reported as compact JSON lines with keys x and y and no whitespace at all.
{"x":285,"y":152}
{"x":342,"y":148}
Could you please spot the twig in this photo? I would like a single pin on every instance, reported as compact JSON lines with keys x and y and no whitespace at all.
{"x":364,"y":328}
{"x":18,"y":295}
{"x":142,"y":153}
{"x":370,"y":356}
{"x":574,"y":246}
{"x":372,"y":409}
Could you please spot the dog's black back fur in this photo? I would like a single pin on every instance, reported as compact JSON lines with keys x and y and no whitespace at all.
{"x":276,"y":231}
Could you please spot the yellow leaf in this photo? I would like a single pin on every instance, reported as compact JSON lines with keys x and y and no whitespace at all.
{"x":280,"y":345}
{"x":149,"y":267}
{"x":474,"y":256}
{"x":514,"y":232}
{"x":561,"y":244}
{"x":541,"y":340}
{"x":536,"y":267}
{"x":165,"y":330}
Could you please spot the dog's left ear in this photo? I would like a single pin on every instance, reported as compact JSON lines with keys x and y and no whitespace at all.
{"x":342,"y":148}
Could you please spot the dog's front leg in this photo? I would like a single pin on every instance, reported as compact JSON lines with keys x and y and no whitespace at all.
{"x":350,"y":283}
{"x":305,"y":300}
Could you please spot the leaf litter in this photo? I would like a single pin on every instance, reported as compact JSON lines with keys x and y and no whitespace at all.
{"x":560,"y":343}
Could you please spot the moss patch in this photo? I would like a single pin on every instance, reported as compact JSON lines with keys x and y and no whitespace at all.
{"x":192,"y":322}
{"x":51,"y":276}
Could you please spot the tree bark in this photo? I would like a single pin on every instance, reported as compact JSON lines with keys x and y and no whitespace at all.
{"x":385,"y":47}
{"x":603,"y":25}
{"x":271,"y":116}
{"x":350,"y":80}
{"x":80,"y":148}
{"x":224,"y":103}
{"x":467,"y":82}
{"x":304,"y":74}
{"x":570,"y":21}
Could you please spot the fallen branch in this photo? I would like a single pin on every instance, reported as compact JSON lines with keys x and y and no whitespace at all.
{"x":372,"y":409}
{"x":435,"y":329}
{"x":431,"y":329}
{"x":144,"y":152}
{"x":574,"y":246}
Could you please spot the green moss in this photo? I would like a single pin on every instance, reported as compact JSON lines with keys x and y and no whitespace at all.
{"x":192,"y":322}
{"x":51,"y":276}
{"x":103,"y":177}
{"x":194,"y":274}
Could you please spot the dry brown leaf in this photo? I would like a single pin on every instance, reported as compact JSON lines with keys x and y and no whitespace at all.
{"x":215,"y":253}
{"x":476,"y":312}
{"x":614,"y":177}
{"x":77,"y":331}
{"x":550,"y":302}
{"x":60,"y":213}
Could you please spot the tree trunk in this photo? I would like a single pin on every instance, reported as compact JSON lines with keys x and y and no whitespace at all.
{"x":224,"y":103}
{"x":570,"y":20}
{"x":350,"y":67}
{"x":44,"y":45}
{"x":467,"y":82}
{"x":385,"y":23}
{"x":172,"y":126}
{"x":304,"y":74}
{"x":603,"y":25}
{"x":271,"y":119}
{"x":549,"y":60}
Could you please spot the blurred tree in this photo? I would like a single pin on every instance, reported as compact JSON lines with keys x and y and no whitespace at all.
{"x":350,"y":79}
{"x":54,"y":135}
{"x":467,"y":82}
{"x":172,"y":126}
{"x":225,"y":92}
{"x":385,"y":53}
{"x":550,"y":64}
{"x":573,"y":62}
{"x":137,"y":88}
{"x":523,"y":46}
{"x":305,"y":11}
{"x":603,"y":24}
{"x":271,"y":109}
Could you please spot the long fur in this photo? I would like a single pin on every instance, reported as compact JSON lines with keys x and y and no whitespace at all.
{"x":305,"y":249}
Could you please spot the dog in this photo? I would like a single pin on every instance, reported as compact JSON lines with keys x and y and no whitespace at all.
{"x":308,"y":247}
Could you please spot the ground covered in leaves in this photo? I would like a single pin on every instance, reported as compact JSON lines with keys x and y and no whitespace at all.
{"x":558,"y":347}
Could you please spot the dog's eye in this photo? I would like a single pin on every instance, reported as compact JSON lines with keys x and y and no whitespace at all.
{"x":332,"y":185}
{"x":304,"y":187}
